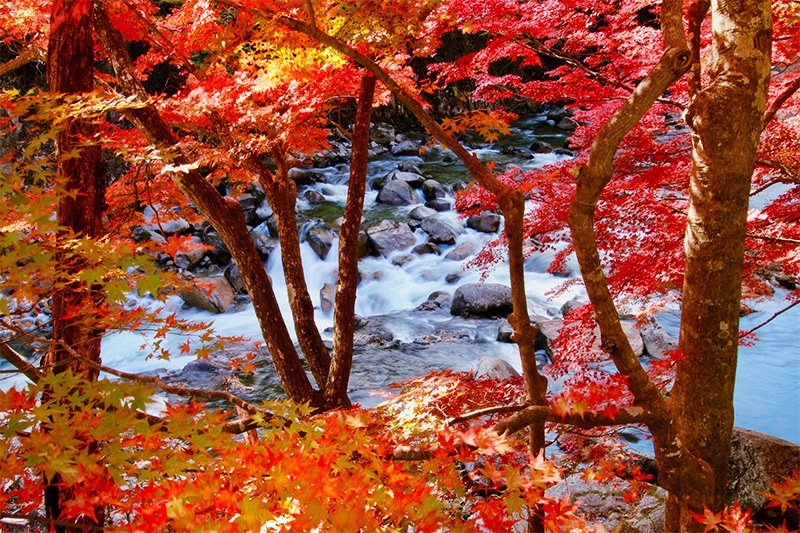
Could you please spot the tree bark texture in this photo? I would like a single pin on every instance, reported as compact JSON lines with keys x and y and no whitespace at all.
{"x":347,"y":281}
{"x":726,"y":121}
{"x":226,"y":217}
{"x":70,"y":70}
{"x":81,"y":203}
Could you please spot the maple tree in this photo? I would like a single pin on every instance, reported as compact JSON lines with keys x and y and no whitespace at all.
{"x":256,"y":82}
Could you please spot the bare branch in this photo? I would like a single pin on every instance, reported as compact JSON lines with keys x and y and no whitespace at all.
{"x":20,"y":362}
{"x":28,"y":55}
{"x":780,"y":100}
{"x":486,"y":412}
{"x":589,"y":420}
{"x":770,"y":319}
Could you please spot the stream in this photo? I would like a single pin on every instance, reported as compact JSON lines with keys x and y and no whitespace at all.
{"x":766,"y":397}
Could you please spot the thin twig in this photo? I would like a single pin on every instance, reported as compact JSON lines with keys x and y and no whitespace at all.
{"x":486,"y":412}
{"x":770,"y":319}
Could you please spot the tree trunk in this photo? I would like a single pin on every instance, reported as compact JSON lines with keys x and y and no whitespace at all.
{"x":81,"y":188}
{"x":226,"y":217}
{"x":347,"y":281}
{"x":726,"y":122}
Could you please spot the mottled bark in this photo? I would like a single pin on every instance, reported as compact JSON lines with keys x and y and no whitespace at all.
{"x":347,"y":281}
{"x":726,"y":121}
{"x":81,"y":203}
{"x":226,"y":217}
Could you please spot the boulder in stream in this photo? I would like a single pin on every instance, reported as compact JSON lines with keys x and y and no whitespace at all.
{"x":191,"y":254}
{"x":397,"y":192}
{"x":389,"y":236}
{"x":656,"y":339}
{"x":420,"y":212}
{"x":438,"y":204}
{"x":327,"y":297}
{"x":552,"y":328}
{"x":484,"y":299}
{"x":213,"y":294}
{"x":432,"y":190}
{"x":320,"y":240}
{"x":382,"y":134}
{"x":439,"y":232}
{"x":493,"y":368}
{"x":406,"y":148}
{"x":461,"y":252}
{"x":486,"y":222}
{"x":264,"y":244}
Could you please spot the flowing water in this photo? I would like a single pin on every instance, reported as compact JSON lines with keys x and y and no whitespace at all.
{"x":767,"y":381}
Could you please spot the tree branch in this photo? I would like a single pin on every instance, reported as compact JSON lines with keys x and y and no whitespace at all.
{"x":20,"y":362}
{"x":780,"y":100}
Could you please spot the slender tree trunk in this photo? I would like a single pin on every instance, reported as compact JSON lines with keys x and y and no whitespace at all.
{"x":225,"y":216}
{"x":726,"y":122}
{"x":70,"y":70}
{"x":347,"y":281}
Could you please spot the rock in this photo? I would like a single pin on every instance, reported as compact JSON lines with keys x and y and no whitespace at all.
{"x":432,"y":190}
{"x":382,"y":134}
{"x":304,"y":176}
{"x":571,"y":305}
{"x":453,"y":277}
{"x":505,"y":332}
{"x":337,"y":154}
{"x":461,"y":252}
{"x":656,"y":339}
{"x":217,"y":300}
{"x":219,"y":253}
{"x":191,"y":254}
{"x":756,"y":460}
{"x":320,"y":240}
{"x":486,"y":222}
{"x":564,"y":151}
{"x":541,"y":147}
{"x":264,"y":244}
{"x":485,"y":299}
{"x":406,"y":148}
{"x":441,"y":297}
{"x":401,"y":260}
{"x":415,"y":179}
{"x":557,"y":113}
{"x":397,"y":192}
{"x":264,"y":211}
{"x":606,"y":504}
{"x":438,"y":204}
{"x":234,"y":277}
{"x":389,"y":236}
{"x":314,"y":197}
{"x":327,"y":297}
{"x":409,"y":166}
{"x":247,"y":201}
{"x":363,"y":244}
{"x":493,"y":368}
{"x":567,"y":124}
{"x":169,"y":227}
{"x":426,"y":248}
{"x":420,"y":212}
{"x":552,"y":328}
{"x":439,"y":232}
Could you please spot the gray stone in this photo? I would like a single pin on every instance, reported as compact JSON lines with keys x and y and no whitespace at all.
{"x":409,"y":166}
{"x":439,"y":232}
{"x":486,"y":222}
{"x":406,"y":148}
{"x":168,"y":227}
{"x":401,"y":260}
{"x":320,"y":240}
{"x":485,"y":299}
{"x":461,"y":252}
{"x":264,"y":211}
{"x":442,"y":297}
{"x":415,"y":179}
{"x":214,"y":294}
{"x":656,"y":339}
{"x":327,"y":297}
{"x":493,"y":368}
{"x":420,"y":212}
{"x":541,"y":147}
{"x":234,"y":277}
{"x":303,"y":176}
{"x":438,"y":204}
{"x":191,"y":254}
{"x":426,"y":248}
{"x":397,"y":192}
{"x":756,"y":460}
{"x":567,"y":124}
{"x":247,"y":201}
{"x":382,"y":134}
{"x":314,"y":197}
{"x":432,"y":190}
{"x":453,"y":277}
{"x":264,"y":244}
{"x":389,"y":236}
{"x":219,"y":252}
